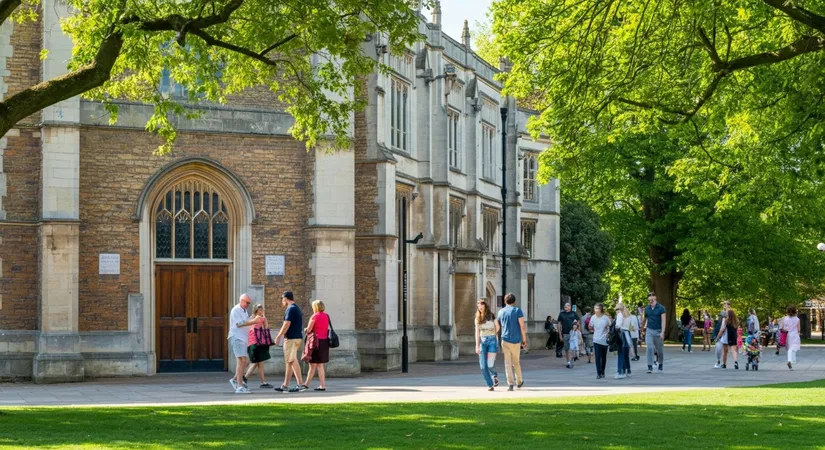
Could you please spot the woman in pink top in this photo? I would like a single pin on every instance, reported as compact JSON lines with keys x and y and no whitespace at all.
{"x":318,"y":324}
{"x":257,"y":353}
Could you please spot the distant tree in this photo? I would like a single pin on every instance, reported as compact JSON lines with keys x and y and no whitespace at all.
{"x":585,"y":254}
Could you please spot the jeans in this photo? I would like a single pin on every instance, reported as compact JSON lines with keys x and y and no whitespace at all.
{"x":635,"y":347}
{"x":623,"y":359}
{"x":601,"y":358}
{"x":487,"y":359}
{"x":688,"y":340}
{"x":654,"y":342}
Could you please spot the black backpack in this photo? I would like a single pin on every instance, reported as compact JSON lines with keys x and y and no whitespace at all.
{"x":614,"y":340}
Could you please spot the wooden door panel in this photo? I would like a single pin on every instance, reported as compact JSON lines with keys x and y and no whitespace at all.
{"x":211,"y":293}
{"x":172,"y":292}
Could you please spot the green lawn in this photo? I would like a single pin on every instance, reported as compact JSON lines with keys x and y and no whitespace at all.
{"x":789,"y":416}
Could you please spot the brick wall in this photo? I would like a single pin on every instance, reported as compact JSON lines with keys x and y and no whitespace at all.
{"x":21,"y":164}
{"x":19,"y":282}
{"x":116,"y":164}
{"x":24,"y":66}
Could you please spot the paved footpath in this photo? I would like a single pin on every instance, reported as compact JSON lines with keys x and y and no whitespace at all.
{"x":545,"y":376}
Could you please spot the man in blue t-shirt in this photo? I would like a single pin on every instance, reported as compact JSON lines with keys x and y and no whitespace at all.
{"x":513,"y":339}
{"x":654,"y":324}
{"x":291,"y":330}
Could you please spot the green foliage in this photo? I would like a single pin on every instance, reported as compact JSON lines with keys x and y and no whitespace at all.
{"x":314,"y":65}
{"x":585,"y":254}
{"x":695,"y":130}
{"x":483,"y":43}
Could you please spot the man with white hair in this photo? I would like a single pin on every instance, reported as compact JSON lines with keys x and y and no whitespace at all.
{"x":238,"y":338}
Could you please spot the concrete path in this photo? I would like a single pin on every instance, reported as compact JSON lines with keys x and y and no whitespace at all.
{"x":545,"y":376}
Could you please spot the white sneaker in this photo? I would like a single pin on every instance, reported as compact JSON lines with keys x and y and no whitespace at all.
{"x":233,"y":383}
{"x":242,"y":390}
{"x":717,"y":366}
{"x":619,"y":376}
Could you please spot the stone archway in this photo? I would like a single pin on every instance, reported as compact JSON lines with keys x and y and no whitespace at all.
{"x":231,"y":213}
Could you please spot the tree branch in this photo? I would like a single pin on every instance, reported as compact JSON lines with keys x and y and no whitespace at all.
{"x":176,"y":22}
{"x":47,"y":93}
{"x":806,"y":44}
{"x":7,"y":7}
{"x":278,"y":44}
{"x":711,"y":49}
{"x":799,"y":14}
{"x":242,"y":50}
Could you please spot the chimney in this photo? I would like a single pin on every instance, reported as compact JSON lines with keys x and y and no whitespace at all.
{"x":504,"y":64}
{"x":465,"y":35}
{"x":437,"y":13}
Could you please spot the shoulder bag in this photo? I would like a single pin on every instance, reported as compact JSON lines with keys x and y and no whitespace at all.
{"x":263,"y":335}
{"x":333,"y":337}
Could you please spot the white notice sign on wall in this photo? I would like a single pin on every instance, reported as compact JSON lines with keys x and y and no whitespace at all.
{"x":109,"y":264}
{"x":274,"y":265}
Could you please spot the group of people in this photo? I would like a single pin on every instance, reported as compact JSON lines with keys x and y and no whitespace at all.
{"x":250,"y":339}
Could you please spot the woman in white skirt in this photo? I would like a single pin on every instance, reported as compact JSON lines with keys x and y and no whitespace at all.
{"x":791,"y":324}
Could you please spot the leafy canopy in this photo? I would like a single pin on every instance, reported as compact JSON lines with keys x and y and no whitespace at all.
{"x":694,"y":128}
{"x":309,"y":52}
{"x":585,"y":254}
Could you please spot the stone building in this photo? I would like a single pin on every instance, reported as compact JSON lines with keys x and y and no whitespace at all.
{"x":115,"y":262}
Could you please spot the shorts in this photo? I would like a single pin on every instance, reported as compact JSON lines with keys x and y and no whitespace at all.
{"x":291,"y":347}
{"x":566,"y":342}
{"x":238,"y":347}
{"x":588,"y":343}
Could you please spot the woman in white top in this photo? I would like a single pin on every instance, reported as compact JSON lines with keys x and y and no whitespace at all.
{"x":623,"y":326}
{"x":600,"y":325}
{"x":790,"y":323}
{"x":487,"y":329}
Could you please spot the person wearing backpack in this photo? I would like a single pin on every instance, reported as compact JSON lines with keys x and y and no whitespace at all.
{"x":319,"y":325}
{"x":634,"y":334}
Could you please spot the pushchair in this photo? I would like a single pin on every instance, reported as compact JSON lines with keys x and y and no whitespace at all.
{"x":754,"y":350}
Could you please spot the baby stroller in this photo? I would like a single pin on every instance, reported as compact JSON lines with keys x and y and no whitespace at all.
{"x":754,"y":350}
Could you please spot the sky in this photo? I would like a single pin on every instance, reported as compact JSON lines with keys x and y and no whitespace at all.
{"x":454,"y":12}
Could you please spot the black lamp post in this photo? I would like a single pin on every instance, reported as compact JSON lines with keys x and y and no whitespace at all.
{"x":405,"y":344}
{"x":503,"y":204}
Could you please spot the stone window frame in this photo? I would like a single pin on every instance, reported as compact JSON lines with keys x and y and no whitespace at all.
{"x":488,"y":154}
{"x":168,"y":198}
{"x":399,"y":114}
{"x":528,"y":235}
{"x":530,"y":169}
{"x":490,"y":227}
{"x":456,"y":222}
{"x":454,"y":138}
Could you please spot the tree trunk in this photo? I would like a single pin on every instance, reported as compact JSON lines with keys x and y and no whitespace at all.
{"x":666,"y":285}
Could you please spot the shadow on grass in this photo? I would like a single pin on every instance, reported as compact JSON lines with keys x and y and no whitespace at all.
{"x":420,"y":425}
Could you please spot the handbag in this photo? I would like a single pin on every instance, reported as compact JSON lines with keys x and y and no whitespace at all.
{"x":783,"y":338}
{"x":263,"y":336}
{"x":333,"y":337}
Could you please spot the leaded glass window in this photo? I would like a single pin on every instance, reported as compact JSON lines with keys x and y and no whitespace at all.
{"x":192,"y":221}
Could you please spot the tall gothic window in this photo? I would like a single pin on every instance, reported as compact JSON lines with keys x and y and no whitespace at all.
{"x":488,"y":145}
{"x":528,"y":234}
{"x":530,"y":166}
{"x":453,"y":139}
{"x":490,"y":228}
{"x":456,"y":222}
{"x":191,"y":221}
{"x":399,"y":114}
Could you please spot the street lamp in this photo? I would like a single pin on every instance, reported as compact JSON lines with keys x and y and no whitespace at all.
{"x":504,"y":113}
{"x":405,"y":345}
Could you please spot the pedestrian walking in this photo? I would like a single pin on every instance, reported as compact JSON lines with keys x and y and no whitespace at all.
{"x":575,"y":341}
{"x":752,"y":323}
{"x":688,"y":325}
{"x":622,"y":327}
{"x":319,"y":324}
{"x":791,"y":325}
{"x":655,"y":323}
{"x":566,"y":319}
{"x":720,"y":343}
{"x":552,"y":335}
{"x":599,"y":326}
{"x":728,"y":330}
{"x":258,"y":349}
{"x":634,"y":334}
{"x":487,"y":328}
{"x":238,"y":339}
{"x":587,"y":337}
{"x":707,"y":324}
{"x":780,"y":327}
{"x":291,"y":336}
{"x":513,"y":339}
